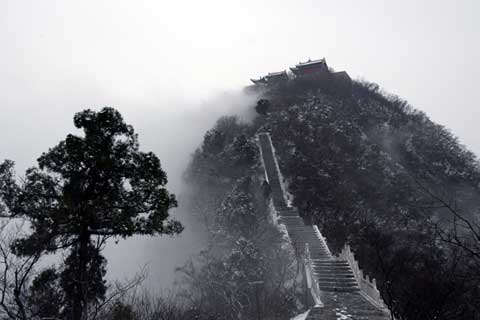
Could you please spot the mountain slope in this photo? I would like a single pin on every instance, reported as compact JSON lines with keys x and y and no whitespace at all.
{"x":372,"y":172}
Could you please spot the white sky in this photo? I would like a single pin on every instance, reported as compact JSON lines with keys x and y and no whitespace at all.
{"x":161,"y":62}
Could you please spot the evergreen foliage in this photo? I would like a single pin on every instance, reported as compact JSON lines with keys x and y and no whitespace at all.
{"x":262,"y":106}
{"x":88,"y":189}
{"x":247,"y":270}
{"x":377,"y":174}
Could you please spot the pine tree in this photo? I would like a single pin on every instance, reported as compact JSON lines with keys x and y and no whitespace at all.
{"x":86,"y":190}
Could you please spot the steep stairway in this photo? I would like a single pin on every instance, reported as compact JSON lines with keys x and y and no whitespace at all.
{"x":339,"y":290}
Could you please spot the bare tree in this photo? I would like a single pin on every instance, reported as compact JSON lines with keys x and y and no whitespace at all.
{"x":117,"y":291}
{"x":16,"y":273}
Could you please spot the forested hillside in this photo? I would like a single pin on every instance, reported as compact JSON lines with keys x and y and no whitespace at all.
{"x":365,"y":166}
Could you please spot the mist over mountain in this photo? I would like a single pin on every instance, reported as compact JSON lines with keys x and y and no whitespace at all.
{"x":216,"y":162}
{"x":365,"y":166}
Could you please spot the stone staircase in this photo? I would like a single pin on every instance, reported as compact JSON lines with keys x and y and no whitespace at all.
{"x":339,"y":291}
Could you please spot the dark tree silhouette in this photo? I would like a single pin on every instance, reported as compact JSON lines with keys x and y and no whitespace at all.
{"x":45,"y":296}
{"x":262,"y":106}
{"x":87,"y":189}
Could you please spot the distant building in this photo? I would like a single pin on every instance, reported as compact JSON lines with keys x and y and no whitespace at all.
{"x":318,"y":69}
{"x":261,"y":80}
{"x":341,"y":76}
{"x":274,"y":77}
{"x":310,"y":67}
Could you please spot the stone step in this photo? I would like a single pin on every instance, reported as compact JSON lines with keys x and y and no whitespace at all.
{"x":327,"y":264}
{"x":340,"y":281}
{"x":303,"y":236}
{"x":307,"y":238}
{"x":283,"y":214}
{"x":330,"y":264}
{"x":330,"y":261}
{"x":331,"y":267}
{"x":333,"y":278}
{"x":333,"y":274}
{"x":313,"y":249}
{"x":294,"y":222}
{"x":337,"y":270}
{"x":337,"y":266}
{"x":312,"y":246}
{"x":304,"y":239}
{"x":292,"y":219}
{"x":311,"y":240}
{"x":319,"y":254}
{"x":298,"y":226}
{"x":281,"y":210}
{"x":322,"y":284}
{"x":297,"y":232}
{"x":323,"y":255}
{"x":336,"y":280}
{"x":306,"y":235}
{"x":332,"y":270}
{"x":338,"y":289}
{"x":367,"y":314}
{"x":367,"y":309}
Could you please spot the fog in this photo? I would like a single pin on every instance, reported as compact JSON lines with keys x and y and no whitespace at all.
{"x":172,"y":133}
{"x":172,"y":67}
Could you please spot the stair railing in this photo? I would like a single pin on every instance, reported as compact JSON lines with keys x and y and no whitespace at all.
{"x":322,"y":240}
{"x":368,"y":288}
{"x":312,"y":285}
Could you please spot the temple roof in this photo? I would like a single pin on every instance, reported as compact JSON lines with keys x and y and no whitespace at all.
{"x":261,"y":80}
{"x":272,"y":76}
{"x":311,"y":63}
{"x":315,"y":67}
{"x":276,"y":75}
{"x":341,"y":75}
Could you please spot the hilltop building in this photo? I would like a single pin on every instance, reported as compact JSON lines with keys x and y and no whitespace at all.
{"x":270,"y":78}
{"x":341,"y":76}
{"x":315,"y":68}
{"x":310,"y":67}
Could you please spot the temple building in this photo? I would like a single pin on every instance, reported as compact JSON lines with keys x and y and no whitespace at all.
{"x":310,"y":67}
{"x":270,"y":78}
{"x":316,"y":69}
{"x":341,"y":76}
{"x":261,"y":80}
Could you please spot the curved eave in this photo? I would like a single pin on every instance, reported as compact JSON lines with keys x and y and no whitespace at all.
{"x":341,"y":75}
{"x":295,"y":71}
{"x":258,"y":81}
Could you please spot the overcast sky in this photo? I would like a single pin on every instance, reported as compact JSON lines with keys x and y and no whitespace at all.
{"x":162,"y":63}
